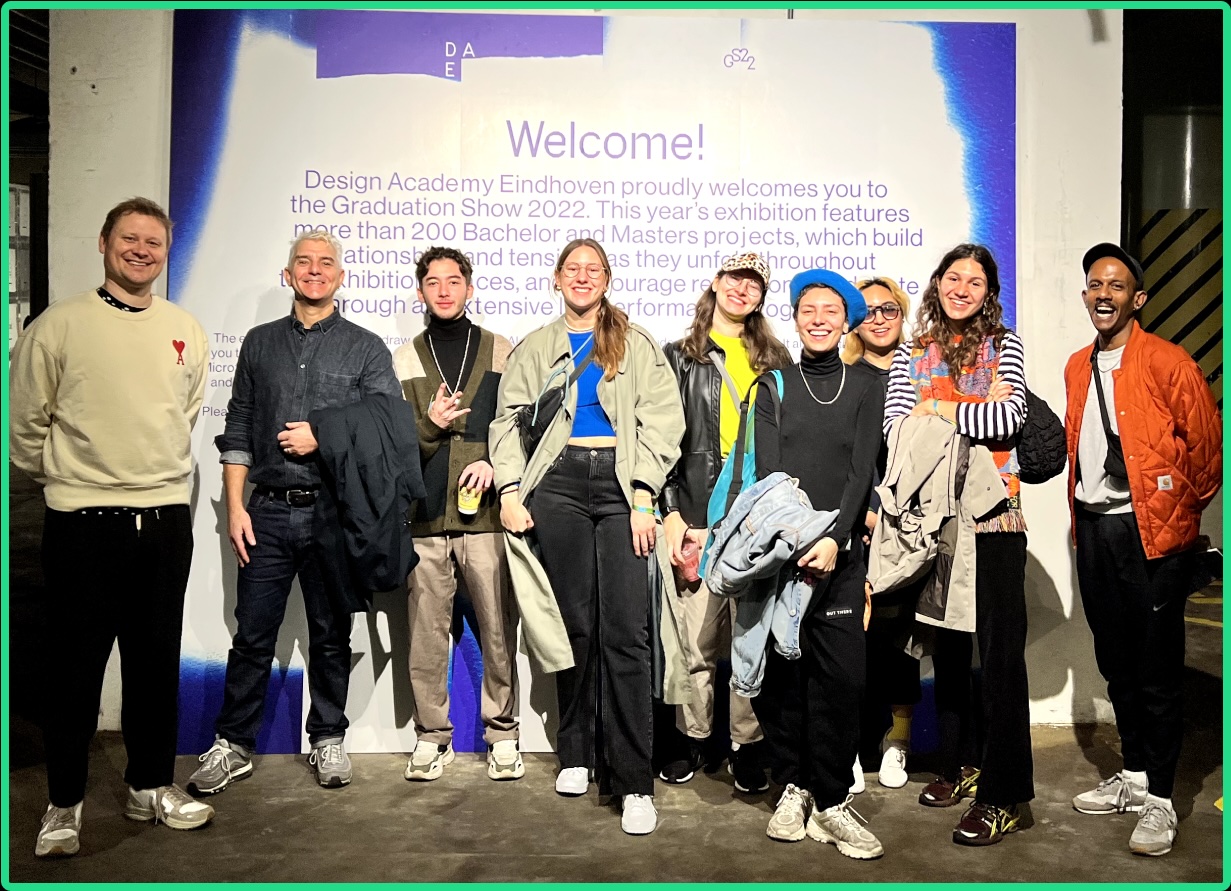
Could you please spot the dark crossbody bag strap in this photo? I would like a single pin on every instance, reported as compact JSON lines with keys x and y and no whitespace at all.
{"x":1114,"y":449}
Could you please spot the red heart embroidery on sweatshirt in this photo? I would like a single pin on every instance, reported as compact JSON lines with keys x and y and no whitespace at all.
{"x":179,"y":348}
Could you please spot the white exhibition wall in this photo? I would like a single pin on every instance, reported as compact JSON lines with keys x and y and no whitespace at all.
{"x":111,"y":138}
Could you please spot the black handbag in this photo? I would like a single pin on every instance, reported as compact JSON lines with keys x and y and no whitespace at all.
{"x":1113,"y":463}
{"x":534,"y":419}
{"x":1041,"y":448}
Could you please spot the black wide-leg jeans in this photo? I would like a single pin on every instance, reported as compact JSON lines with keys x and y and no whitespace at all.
{"x":581,"y":520}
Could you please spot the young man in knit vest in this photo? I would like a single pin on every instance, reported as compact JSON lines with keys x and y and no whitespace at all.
{"x":450,"y":374}
{"x":104,"y":390}
{"x":1145,"y":459}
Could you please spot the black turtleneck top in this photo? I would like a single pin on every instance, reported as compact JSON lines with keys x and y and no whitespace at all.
{"x":447,"y":340}
{"x":830,"y":449}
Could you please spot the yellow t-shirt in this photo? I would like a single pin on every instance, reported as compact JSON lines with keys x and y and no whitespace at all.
{"x":741,"y":372}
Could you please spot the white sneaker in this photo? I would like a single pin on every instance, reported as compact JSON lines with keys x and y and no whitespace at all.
{"x":504,"y":761}
{"x":857,"y":775}
{"x":428,"y":761}
{"x":791,"y":815}
{"x":573,"y":781}
{"x":840,"y":825}
{"x":639,"y":817}
{"x":1155,"y":831}
{"x":167,"y":804}
{"x":893,"y":766}
{"x":60,"y":834}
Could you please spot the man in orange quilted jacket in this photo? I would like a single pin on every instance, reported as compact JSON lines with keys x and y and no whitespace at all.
{"x":1145,"y":458}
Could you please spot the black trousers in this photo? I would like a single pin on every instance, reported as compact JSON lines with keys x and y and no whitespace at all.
{"x":581,"y":520}
{"x":1135,"y":608}
{"x":111,"y":574}
{"x":809,"y":707}
{"x":989,"y":727}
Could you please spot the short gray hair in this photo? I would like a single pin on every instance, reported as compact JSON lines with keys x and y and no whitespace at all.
{"x":319,"y":234}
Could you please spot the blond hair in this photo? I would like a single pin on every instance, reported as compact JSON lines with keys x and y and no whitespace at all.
{"x":853,"y":349}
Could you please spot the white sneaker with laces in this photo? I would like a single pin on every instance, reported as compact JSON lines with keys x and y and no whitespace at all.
{"x":167,"y":804}
{"x":893,"y":767}
{"x":840,"y":825}
{"x":573,"y":781}
{"x":640,"y":817}
{"x":857,"y":784}
{"x":504,"y":761}
{"x":791,"y":815}
{"x":60,"y":834}
{"x":1117,"y":795}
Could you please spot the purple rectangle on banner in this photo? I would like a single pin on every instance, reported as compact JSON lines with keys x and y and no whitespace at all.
{"x":436,"y":43}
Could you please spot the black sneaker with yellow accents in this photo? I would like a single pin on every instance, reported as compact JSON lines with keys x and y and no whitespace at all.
{"x":986,"y":824}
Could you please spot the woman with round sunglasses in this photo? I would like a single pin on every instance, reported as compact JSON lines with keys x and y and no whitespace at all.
{"x":966,"y":367}
{"x":893,"y":674}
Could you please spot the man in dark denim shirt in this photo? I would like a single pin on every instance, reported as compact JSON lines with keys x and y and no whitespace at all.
{"x":313,"y":358}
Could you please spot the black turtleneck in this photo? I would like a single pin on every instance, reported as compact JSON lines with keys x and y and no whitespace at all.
{"x":447,"y":339}
{"x":830,"y":449}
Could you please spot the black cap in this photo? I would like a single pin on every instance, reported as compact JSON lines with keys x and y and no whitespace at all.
{"x":1107,"y":249}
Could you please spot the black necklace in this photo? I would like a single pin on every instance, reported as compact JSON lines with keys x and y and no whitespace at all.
{"x":108,"y":298}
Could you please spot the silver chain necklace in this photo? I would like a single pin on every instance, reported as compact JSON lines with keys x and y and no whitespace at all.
{"x":440,"y":370}
{"x":841,"y":384}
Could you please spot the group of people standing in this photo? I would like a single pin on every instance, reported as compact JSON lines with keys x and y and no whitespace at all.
{"x":570,"y":482}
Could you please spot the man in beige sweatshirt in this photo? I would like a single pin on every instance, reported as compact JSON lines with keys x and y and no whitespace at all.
{"x":104,"y":389}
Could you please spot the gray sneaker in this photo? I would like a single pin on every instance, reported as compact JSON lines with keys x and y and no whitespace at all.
{"x":169,"y":805}
{"x":791,"y":814}
{"x":60,"y":834}
{"x":332,"y":765}
{"x":223,"y":764}
{"x":1114,"y":796}
{"x":1155,"y":830}
{"x":840,"y":825}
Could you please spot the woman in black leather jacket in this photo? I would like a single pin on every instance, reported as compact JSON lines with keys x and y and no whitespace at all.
{"x":729,"y":333}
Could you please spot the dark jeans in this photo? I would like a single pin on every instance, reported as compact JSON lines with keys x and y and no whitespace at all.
{"x":581,"y":519}
{"x":809,"y":707}
{"x":999,"y":715}
{"x":111,"y":574}
{"x":893,"y":674}
{"x":282,"y":551}
{"x":1135,"y":608}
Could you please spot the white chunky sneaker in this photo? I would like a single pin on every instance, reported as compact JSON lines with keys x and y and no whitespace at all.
{"x":60,"y":834}
{"x":573,"y":781}
{"x":639,"y":817}
{"x":791,"y":815}
{"x":841,"y":825}
{"x":504,"y":761}
{"x":428,"y":761}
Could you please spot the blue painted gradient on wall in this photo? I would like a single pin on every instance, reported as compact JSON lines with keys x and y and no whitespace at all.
{"x":978,"y":63}
{"x":201,"y":691}
{"x":465,"y":693}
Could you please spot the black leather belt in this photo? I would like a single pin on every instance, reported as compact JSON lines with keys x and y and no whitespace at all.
{"x":293,"y":497}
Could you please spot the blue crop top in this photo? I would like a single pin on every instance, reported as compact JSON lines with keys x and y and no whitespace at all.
{"x":590,"y":420}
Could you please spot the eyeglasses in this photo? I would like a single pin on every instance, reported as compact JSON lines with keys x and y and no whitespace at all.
{"x":572,"y":270}
{"x":754,"y":287}
{"x":887,"y":311}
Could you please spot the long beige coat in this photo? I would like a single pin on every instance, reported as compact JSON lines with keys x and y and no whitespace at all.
{"x":643,"y":404}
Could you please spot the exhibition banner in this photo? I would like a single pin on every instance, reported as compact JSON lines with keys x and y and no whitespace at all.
{"x":865,"y":147}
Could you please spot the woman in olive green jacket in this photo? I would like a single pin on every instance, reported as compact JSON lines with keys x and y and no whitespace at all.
{"x":587,"y":495}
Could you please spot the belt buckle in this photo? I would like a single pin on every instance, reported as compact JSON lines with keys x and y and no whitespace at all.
{"x":300,"y":497}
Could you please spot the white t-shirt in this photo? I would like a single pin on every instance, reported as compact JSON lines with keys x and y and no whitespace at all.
{"x":1095,"y":489}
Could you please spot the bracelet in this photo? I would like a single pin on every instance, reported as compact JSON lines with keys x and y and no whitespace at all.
{"x":936,"y":407}
{"x":643,"y":510}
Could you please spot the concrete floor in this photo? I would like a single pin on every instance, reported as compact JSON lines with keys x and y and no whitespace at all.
{"x":278,"y":826}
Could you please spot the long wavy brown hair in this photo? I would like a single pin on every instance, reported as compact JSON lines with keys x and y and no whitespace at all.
{"x":611,"y":326}
{"x":765,"y":351}
{"x":960,"y":346}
